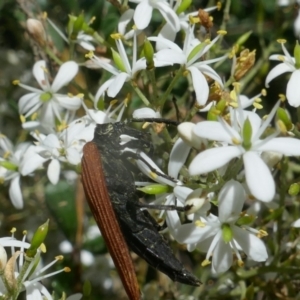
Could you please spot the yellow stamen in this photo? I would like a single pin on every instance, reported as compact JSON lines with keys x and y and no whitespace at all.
{"x":281,"y":41}
{"x":257,"y":105}
{"x":240,"y":263}
{"x":222,"y":32}
{"x":200,"y":224}
{"x":235,"y":141}
{"x":205,"y":263}
{"x":22,"y":119}
{"x":90,"y":55}
{"x":116,"y":36}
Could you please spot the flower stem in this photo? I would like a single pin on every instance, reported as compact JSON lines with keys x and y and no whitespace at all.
{"x":152,"y":78}
{"x":170,"y":87}
{"x":53,"y":56}
{"x":140,"y":93}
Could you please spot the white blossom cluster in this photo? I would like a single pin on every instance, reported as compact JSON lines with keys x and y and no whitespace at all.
{"x":235,"y":137}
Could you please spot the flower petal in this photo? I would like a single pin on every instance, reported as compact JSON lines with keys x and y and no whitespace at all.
{"x":231,"y":201}
{"x":285,"y":145}
{"x":65,"y":74}
{"x":15,"y":193}
{"x":222,"y":257}
{"x":102,"y":89}
{"x":213,"y":159}
{"x":178,"y":156}
{"x":70,"y":103}
{"x":215,"y":131}
{"x":200,"y":85}
{"x":142,"y":15}
{"x":73,"y":156}
{"x":292,"y":89}
{"x":170,"y":56}
{"x":258,"y":176}
{"x":251,"y":245}
{"x":277,"y":71}
{"x":39,"y":74}
{"x":117,"y":84}
{"x":53,"y":171}
{"x":169,"y":14}
{"x":124,"y":20}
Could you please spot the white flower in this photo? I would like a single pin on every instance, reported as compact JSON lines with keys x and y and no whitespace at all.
{"x":47,"y":101}
{"x":144,"y":9}
{"x":288,"y":64}
{"x":125,"y":19}
{"x":125,"y":72}
{"x":192,"y":51}
{"x":10,"y":164}
{"x":145,"y":112}
{"x":168,"y":31}
{"x":63,"y":147}
{"x":220,"y":236}
{"x":243,"y":139}
{"x":31,"y":277}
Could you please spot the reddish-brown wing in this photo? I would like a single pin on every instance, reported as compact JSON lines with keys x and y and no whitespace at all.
{"x":98,"y":198}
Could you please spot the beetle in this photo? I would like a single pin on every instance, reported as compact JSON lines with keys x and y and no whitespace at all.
{"x":109,"y":185}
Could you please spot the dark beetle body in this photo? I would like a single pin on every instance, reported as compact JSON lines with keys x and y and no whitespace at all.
{"x":140,"y":230}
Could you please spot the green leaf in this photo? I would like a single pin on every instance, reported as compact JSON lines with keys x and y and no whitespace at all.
{"x":60,"y":200}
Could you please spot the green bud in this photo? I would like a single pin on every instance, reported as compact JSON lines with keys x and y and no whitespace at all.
{"x":284,"y":117}
{"x":37,"y":239}
{"x":196,"y":50}
{"x":216,"y":110}
{"x":297,"y":55}
{"x":8,"y":165}
{"x":247,"y":134}
{"x":149,"y":54}
{"x":227,"y":233}
{"x":70,"y":26}
{"x":294,"y":189}
{"x":118,"y":61}
{"x":87,"y":29}
{"x":213,"y":114}
{"x":243,"y":39}
{"x":221,"y":105}
{"x":185,"y":4}
{"x":154,"y":189}
{"x":78,"y":25}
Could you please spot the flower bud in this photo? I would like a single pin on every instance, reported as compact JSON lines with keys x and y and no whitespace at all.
{"x":149,"y":53}
{"x":283,"y":116}
{"x":3,"y":258}
{"x":184,"y":5}
{"x":36,"y":30}
{"x":38,"y":238}
{"x":185,"y":131}
{"x":8,"y":165}
{"x":77,"y":26}
{"x":294,"y":189}
{"x":154,"y":189}
{"x":118,"y":60}
{"x":216,"y":110}
{"x":194,"y":201}
{"x":243,"y":39}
